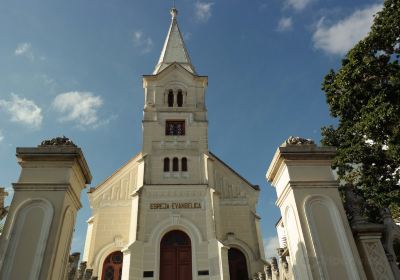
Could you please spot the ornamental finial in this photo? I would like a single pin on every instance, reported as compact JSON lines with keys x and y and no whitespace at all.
{"x":295,"y":141}
{"x":174,"y":12}
{"x":58,"y":141}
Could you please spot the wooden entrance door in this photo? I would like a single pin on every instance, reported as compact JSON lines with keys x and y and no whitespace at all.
{"x":176,"y":256}
{"x":237,"y":265}
{"x":112,"y":266}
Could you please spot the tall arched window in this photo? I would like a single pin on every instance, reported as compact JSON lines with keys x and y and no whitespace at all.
{"x":184,"y":164}
{"x":237,"y":265}
{"x":170,"y":98}
{"x":175,"y":164}
{"x":112,"y":266}
{"x":179,"y":98}
{"x":166,"y":164}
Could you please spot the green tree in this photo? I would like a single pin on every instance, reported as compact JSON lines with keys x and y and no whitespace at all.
{"x":364,"y":96}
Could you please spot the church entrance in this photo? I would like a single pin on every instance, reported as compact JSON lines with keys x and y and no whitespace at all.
{"x":237,"y":265}
{"x":176,"y":256}
{"x":112,"y":266}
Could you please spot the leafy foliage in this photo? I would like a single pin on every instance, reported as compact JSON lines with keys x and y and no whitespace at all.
{"x":364,"y":95}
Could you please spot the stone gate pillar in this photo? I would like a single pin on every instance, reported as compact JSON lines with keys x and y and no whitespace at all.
{"x":319,"y":239}
{"x":36,"y":239}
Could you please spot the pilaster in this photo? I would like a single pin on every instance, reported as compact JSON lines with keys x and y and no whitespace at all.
{"x":368,"y":240}
{"x":218,"y":260}
{"x":133,"y":262}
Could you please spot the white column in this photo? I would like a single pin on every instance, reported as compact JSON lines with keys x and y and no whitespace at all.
{"x":36,"y":240}
{"x":319,"y":238}
{"x":88,"y":241}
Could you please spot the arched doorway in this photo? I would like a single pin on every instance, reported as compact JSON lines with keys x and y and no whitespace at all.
{"x":112,"y":266}
{"x":175,"y":256}
{"x":237,"y":265}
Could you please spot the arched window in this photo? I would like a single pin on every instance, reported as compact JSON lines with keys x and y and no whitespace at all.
{"x":184,"y":164}
{"x":166,"y":164}
{"x":112,"y":266}
{"x":175,"y":164}
{"x":237,"y":265}
{"x":170,"y":98}
{"x":179,"y":98}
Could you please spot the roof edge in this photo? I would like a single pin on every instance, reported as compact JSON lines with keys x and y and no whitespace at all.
{"x":169,"y":66}
{"x":91,"y":190}
{"x":255,"y":187}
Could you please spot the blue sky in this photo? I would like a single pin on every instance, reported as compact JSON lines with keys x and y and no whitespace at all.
{"x":74,"y":68}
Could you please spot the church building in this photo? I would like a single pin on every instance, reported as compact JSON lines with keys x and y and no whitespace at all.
{"x":175,"y":211}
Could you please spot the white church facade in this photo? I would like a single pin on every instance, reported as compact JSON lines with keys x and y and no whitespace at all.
{"x":175,"y":210}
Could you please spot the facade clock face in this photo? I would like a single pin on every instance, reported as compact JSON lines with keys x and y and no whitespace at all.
{"x":175,"y":128}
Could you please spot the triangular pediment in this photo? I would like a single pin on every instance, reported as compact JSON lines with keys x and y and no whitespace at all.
{"x":119,"y":185}
{"x":176,"y":69}
{"x":233,"y":172}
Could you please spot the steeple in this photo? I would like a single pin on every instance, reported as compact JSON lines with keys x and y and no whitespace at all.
{"x":174,"y":49}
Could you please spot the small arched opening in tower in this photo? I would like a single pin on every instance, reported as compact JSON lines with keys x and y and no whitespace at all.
{"x":184,"y":164}
{"x":170,"y":98}
{"x":166,"y":164}
{"x":179,"y":98}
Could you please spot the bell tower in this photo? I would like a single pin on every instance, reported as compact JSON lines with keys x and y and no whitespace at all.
{"x":175,"y":116}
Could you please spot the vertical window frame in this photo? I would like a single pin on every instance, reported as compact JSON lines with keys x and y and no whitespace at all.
{"x":166,"y":167}
{"x":179,"y":98}
{"x":170,"y":98}
{"x":184,"y":164}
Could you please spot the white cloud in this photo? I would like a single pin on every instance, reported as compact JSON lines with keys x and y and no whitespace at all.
{"x":140,"y":40}
{"x":285,"y":24}
{"x":79,"y":107}
{"x":270,"y":246}
{"x":298,"y":4}
{"x":203,"y":10}
{"x":25,"y":49}
{"x":1,"y":136}
{"x":22,"y":110}
{"x":341,"y":36}
{"x":22,"y":48}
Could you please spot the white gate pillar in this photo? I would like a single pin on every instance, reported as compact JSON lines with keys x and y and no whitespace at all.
{"x":319,"y":238}
{"x":37,"y":235}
